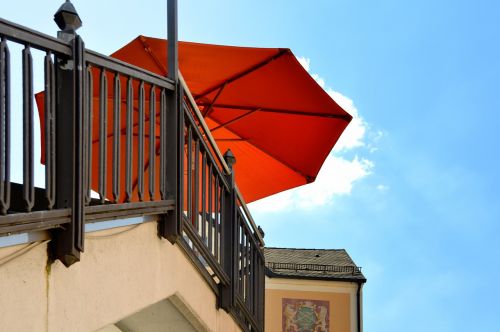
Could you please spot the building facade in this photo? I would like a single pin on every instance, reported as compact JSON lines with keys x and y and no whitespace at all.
{"x":312,"y":290}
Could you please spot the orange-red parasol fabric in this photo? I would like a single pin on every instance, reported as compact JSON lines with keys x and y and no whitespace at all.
{"x":258,"y":102}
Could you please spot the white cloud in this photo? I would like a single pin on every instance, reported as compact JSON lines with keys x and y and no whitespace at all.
{"x":354,"y":134}
{"x":305,"y":62}
{"x":338,"y":174}
{"x":336,"y":177}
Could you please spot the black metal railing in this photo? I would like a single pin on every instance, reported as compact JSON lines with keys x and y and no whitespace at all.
{"x":125,"y":111}
{"x":119,"y":141}
{"x":250,"y":280}
{"x":314,"y":267}
{"x":216,"y":223}
{"x":22,"y":206}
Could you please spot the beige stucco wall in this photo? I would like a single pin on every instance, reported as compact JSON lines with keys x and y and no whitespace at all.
{"x":340,"y":295}
{"x":122,"y":271}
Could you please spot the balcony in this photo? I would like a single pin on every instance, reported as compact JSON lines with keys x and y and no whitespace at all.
{"x":119,"y":142}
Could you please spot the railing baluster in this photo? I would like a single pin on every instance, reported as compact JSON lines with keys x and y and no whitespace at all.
{"x":196,"y":174}
{"x":203,"y":196}
{"x":28,"y":139}
{"x":140,"y":149}
{"x":253,"y":272}
{"x":189,"y":167}
{"x":247,"y":269}
{"x":152,"y":142}
{"x":240,"y":253}
{"x":103,"y":129}
{"x":209,"y":210}
{"x":163,"y":144}
{"x":216,"y":219}
{"x":129,"y":146}
{"x":116,"y":137}
{"x":50,"y":178}
{"x":4,"y":127}
{"x":88,"y":133}
{"x":222,"y":222}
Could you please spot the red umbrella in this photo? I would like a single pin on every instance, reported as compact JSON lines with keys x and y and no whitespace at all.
{"x":259,"y":102}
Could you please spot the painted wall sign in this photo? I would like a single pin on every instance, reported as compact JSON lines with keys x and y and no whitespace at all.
{"x":299,"y":315}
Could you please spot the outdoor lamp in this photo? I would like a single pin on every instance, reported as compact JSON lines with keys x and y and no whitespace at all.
{"x":67,"y":18}
{"x":230,"y":159}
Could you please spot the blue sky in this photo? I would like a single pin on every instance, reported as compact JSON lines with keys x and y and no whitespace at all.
{"x":412,"y":192}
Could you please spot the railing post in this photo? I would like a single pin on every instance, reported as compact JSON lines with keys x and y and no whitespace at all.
{"x":67,"y":243}
{"x":170,"y":225}
{"x":229,"y":238}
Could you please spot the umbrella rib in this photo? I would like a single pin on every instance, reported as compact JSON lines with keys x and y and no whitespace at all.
{"x":222,"y":125}
{"x":243,"y":139}
{"x":243,"y":73}
{"x":346,"y":117}
{"x":209,"y":108}
{"x":152,"y":55}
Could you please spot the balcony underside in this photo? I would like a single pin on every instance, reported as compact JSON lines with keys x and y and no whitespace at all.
{"x":122,"y":271}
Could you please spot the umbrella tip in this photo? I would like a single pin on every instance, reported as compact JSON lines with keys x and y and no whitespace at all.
{"x":230,"y":159}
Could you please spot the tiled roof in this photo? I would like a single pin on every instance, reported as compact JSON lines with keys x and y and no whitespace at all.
{"x":331,"y":264}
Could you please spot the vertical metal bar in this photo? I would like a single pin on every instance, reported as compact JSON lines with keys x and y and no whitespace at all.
{"x":247,"y":270}
{"x":251,"y":261}
{"x":4,"y":127}
{"x":163,"y":144}
{"x":172,"y":40}
{"x":152,"y":142}
{"x":256,"y":302}
{"x":196,"y":174}
{"x":210,"y":206}
{"x":240,"y":253}
{"x":28,"y":139}
{"x":245,"y":264}
{"x":78,"y":200}
{"x":216,"y":218}
{"x":262,"y":301}
{"x":230,"y":245}
{"x":222,"y":221}
{"x":116,"y":137}
{"x":140,"y":143}
{"x":170,"y":226}
{"x":88,"y":133}
{"x":129,"y":146}
{"x":49,"y":107}
{"x":103,"y":134}
{"x":189,"y":172}
{"x":68,"y":242}
{"x":203,"y":195}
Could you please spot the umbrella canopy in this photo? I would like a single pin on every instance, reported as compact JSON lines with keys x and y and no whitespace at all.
{"x":260,"y":103}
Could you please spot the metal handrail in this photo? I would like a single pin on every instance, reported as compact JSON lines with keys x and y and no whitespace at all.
{"x":23,"y":35}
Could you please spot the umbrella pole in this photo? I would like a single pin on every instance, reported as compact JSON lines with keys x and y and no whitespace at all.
{"x":172,"y":32}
